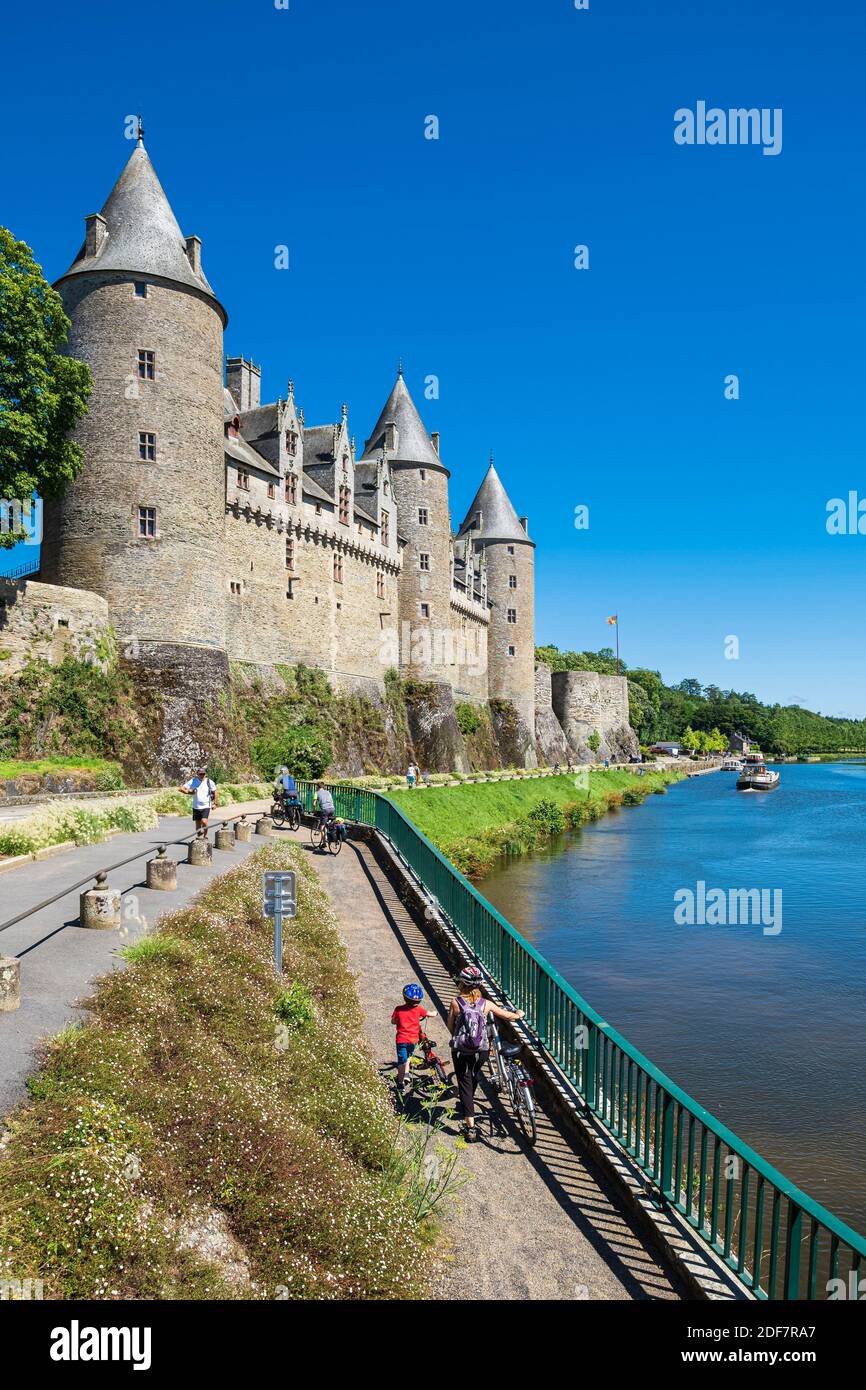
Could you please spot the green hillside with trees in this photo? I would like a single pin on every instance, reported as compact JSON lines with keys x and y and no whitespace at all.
{"x":663,"y":712}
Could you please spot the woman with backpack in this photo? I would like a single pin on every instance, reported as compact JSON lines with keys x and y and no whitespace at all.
{"x":467,"y":1024}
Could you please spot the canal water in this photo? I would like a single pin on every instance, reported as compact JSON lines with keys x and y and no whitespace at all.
{"x":766,"y":1029}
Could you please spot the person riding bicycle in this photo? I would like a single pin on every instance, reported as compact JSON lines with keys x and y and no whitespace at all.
{"x":407,"y":1018}
{"x":470,"y":1043}
{"x":285,"y":787}
{"x":324,"y":804}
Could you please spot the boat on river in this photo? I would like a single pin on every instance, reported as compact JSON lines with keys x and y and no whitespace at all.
{"x":757,"y":777}
{"x":732,"y":765}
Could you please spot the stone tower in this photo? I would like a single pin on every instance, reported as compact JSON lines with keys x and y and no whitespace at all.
{"x":420,"y":487}
{"x":143,"y":522}
{"x":492,"y":525}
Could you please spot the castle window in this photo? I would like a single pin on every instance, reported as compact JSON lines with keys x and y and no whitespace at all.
{"x":243,"y":480}
{"x":338,"y":569}
{"x":423,"y":560}
{"x":385,"y":486}
{"x":147,"y":523}
{"x":425,"y":610}
{"x":290,"y":589}
{"x":423,"y":516}
{"x":272,"y":491}
{"x":318,"y":509}
{"x":291,"y":443}
{"x":291,"y":489}
{"x":512,"y":581}
{"x":423,"y":474}
{"x":146,"y":365}
{"x":385,"y":531}
{"x":236,"y":587}
{"x":344,"y":505}
{"x":510,"y":651}
{"x":140,"y":288}
{"x":511,"y":550}
{"x":512,"y":615}
{"x":146,"y":446}
{"x":290,"y":553}
{"x":380,"y":584}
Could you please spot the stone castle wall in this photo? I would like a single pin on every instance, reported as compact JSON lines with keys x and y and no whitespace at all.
{"x":46,"y":622}
{"x":164,"y":589}
{"x":585,"y":702}
{"x":549,"y":735}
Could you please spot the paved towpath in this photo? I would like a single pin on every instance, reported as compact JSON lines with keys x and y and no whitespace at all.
{"x":59,"y":959}
{"x":547,"y":1223}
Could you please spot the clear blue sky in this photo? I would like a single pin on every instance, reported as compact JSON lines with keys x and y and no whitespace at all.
{"x":306,"y":127}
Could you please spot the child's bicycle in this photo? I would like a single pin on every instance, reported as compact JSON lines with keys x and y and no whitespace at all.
{"x":429,"y":1058}
{"x":510,"y":1077}
{"x":328,"y":833}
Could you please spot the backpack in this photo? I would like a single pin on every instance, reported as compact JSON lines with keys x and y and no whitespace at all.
{"x":471,"y":1032}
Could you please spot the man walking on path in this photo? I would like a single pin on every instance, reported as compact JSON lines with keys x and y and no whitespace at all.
{"x":204,"y":795}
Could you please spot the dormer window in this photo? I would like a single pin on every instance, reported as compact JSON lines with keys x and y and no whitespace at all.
{"x":291,"y":443}
{"x":291,"y":489}
{"x":344,"y":506}
{"x":243,"y":480}
{"x":272,"y":491}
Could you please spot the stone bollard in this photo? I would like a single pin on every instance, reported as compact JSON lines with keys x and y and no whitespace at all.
{"x":224,"y":838}
{"x":264,"y":826}
{"x":100,"y":905}
{"x":10,"y":984}
{"x":162,"y":872}
{"x":200,"y":852}
{"x":243,"y":831}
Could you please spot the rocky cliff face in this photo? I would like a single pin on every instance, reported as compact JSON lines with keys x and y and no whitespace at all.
{"x":436,"y":741}
{"x":586,"y":703}
{"x":549,"y":737}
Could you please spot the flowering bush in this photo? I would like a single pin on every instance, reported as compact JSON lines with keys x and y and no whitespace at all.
{"x":84,"y":822}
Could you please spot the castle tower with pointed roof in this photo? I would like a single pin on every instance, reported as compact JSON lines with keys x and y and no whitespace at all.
{"x":142,"y":523}
{"x":493,"y":530}
{"x":420,"y":489}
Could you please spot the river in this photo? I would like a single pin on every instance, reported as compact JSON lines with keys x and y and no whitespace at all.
{"x":765,"y":1028}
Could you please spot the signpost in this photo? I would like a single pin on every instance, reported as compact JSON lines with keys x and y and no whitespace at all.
{"x":280,"y":900}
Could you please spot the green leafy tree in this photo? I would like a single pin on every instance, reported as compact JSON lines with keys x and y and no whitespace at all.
{"x":42,"y":393}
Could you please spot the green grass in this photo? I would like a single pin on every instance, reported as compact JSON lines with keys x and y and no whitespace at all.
{"x":473,"y":825}
{"x":11,"y":768}
{"x":188,"y":1105}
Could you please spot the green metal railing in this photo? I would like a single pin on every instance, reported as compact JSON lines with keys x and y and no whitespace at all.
{"x":778,"y":1242}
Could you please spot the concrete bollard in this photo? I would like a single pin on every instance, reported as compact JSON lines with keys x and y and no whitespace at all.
{"x":10,"y":984}
{"x":200,"y":852}
{"x":264,"y":826}
{"x":162,"y":872}
{"x":243,"y":831}
{"x":100,"y":906}
{"x":224,"y":838}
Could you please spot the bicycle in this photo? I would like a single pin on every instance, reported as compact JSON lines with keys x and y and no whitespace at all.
{"x":430,"y":1057}
{"x":286,"y":812}
{"x":325,"y":835}
{"x":509,"y":1075}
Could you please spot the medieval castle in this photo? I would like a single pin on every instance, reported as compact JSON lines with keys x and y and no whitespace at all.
{"x":220,"y":529}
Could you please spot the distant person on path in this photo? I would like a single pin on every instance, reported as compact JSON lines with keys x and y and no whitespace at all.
{"x":324,"y":804}
{"x":407,"y":1018}
{"x":204,"y":795}
{"x":411,"y":775}
{"x":470,"y":1044}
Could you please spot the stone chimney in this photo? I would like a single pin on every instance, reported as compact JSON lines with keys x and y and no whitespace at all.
{"x":244,"y":380}
{"x":95,"y":232}
{"x":193,"y":253}
{"x":434,"y":439}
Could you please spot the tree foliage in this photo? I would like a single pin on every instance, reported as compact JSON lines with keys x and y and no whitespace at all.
{"x":43,"y":394}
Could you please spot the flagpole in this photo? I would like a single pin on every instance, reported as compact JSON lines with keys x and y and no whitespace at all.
{"x":617,"y":644}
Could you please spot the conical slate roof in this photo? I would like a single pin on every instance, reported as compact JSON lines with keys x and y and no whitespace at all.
{"x":143,"y":235}
{"x":498,"y":519}
{"x":413,"y":441}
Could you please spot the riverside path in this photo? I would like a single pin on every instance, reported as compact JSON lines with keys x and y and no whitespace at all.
{"x":550,"y":1225}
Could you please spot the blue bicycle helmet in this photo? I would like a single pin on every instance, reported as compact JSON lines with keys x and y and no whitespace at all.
{"x":413,"y":994}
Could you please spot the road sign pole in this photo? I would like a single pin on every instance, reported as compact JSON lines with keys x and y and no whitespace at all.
{"x":278,"y":941}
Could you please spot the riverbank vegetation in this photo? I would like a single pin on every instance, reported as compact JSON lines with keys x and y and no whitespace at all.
{"x":211,"y":1131}
{"x":660,"y":712}
{"x":474,"y":825}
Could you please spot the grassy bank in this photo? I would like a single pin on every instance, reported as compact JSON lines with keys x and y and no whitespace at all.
{"x":107,"y":774}
{"x":209,"y":1134}
{"x":474,"y":825}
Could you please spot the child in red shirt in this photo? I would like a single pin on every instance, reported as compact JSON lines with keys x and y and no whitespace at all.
{"x":407,"y":1018}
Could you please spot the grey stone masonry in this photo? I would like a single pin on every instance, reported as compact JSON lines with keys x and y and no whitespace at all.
{"x":585,"y":702}
{"x":49,"y":622}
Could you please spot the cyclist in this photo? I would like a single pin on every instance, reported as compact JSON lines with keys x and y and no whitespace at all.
{"x":407,"y":1018}
{"x":467,"y":1024}
{"x":325,"y":812}
{"x":285,"y":787}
